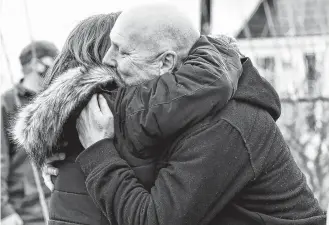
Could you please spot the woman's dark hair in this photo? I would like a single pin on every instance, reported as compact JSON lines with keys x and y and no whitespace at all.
{"x":86,"y":45}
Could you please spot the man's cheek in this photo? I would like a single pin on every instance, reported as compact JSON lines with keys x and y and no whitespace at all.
{"x":120,"y":69}
{"x":128,"y":68}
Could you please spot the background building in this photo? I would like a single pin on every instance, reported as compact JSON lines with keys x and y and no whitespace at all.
{"x":288,"y":41}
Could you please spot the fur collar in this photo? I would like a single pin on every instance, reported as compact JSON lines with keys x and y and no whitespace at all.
{"x":39,"y":125}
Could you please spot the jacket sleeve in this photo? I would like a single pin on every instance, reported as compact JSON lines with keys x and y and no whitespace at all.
{"x":202,"y":175}
{"x":157,"y":109}
{"x":6,"y":208}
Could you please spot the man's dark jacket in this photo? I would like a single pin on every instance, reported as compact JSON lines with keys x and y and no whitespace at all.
{"x":234,"y":167}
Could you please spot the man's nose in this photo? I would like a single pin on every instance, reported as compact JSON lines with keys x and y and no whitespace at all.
{"x":109,"y":58}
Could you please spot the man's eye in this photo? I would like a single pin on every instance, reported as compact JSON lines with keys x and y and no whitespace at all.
{"x":123,"y":52}
{"x":114,"y":46}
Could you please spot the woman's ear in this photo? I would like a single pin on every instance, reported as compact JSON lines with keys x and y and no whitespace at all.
{"x":169,"y":61}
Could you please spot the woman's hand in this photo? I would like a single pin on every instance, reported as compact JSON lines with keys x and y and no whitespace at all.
{"x":95,"y":122}
{"x":49,"y":170}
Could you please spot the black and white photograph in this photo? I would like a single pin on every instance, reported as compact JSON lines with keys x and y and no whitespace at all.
{"x":164,"y":112}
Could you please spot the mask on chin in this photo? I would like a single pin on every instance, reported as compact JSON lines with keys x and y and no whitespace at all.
{"x":44,"y":72}
{"x":45,"y":69}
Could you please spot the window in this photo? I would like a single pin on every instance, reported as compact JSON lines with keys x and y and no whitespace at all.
{"x":286,"y":59}
{"x":312,"y":74}
{"x":267,"y":67}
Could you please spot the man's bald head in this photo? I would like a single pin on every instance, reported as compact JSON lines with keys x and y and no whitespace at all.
{"x":159,"y":27}
{"x":154,"y":37}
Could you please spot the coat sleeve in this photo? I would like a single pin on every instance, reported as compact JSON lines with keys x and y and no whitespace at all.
{"x":206,"y":81}
{"x":6,"y":208}
{"x":202,"y":175}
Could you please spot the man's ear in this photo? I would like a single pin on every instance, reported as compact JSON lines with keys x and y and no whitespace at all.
{"x":168,"y":62}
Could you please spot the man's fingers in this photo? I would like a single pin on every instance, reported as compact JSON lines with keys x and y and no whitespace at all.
{"x":48,"y":169}
{"x":104,"y":107}
{"x":52,"y":171}
{"x":47,"y":180}
{"x":55,"y":157}
{"x":93,"y":104}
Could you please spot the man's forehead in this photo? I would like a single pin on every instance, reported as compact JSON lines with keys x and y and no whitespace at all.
{"x":124,"y":38}
{"x":131,"y":32}
{"x":116,"y":37}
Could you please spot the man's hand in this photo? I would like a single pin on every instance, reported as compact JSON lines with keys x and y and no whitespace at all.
{"x":13,"y":219}
{"x":49,"y":170}
{"x":95,"y":122}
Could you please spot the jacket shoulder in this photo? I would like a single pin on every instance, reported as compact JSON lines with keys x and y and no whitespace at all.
{"x":261,"y":135}
{"x":8,"y":100}
{"x":250,"y":121}
{"x":247,"y":118}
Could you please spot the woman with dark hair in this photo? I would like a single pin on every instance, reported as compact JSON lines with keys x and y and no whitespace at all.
{"x":85,"y":46}
{"x":47,"y":125}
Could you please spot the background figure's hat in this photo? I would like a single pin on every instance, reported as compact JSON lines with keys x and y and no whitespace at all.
{"x":42,"y":49}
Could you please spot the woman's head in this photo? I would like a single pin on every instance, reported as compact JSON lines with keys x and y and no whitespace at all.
{"x":86,"y":45}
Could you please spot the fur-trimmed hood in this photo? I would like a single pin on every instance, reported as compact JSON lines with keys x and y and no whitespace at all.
{"x":39,"y":125}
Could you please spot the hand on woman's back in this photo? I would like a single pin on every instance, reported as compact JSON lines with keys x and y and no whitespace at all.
{"x":49,"y":170}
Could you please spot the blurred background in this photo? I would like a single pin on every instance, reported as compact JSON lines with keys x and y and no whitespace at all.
{"x":288,"y":41}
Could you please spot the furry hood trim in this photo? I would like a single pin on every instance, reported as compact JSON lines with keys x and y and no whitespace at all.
{"x":39,"y":125}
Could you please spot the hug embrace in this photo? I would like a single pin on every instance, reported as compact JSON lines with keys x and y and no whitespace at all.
{"x":145,"y":121}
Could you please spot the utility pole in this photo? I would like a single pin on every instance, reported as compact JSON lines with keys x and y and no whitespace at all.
{"x":205,"y":17}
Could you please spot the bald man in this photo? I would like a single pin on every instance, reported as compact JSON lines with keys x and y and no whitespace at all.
{"x":146,"y":44}
{"x":233,"y":167}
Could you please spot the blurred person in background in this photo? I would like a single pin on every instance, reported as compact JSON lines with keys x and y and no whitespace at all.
{"x":20,"y":203}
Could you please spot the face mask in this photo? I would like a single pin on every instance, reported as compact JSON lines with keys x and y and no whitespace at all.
{"x":43,"y":74}
{"x":46,"y":68}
